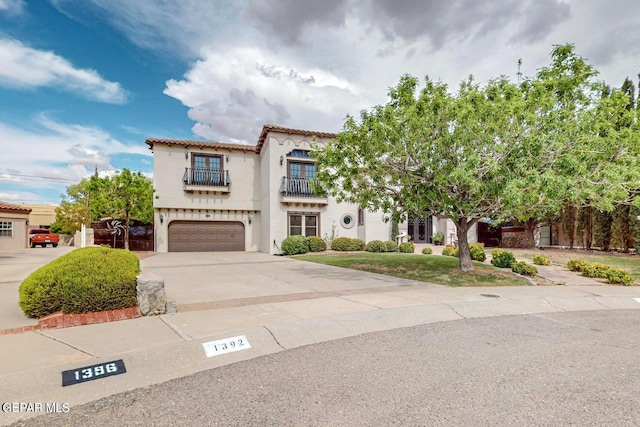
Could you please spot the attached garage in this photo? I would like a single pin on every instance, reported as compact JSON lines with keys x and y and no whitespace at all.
{"x":206,"y":236}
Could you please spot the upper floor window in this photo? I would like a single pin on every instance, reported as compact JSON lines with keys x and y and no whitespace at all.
{"x":207,"y":169}
{"x":302,"y":170}
{"x":300,"y":153}
{"x":6,"y":229}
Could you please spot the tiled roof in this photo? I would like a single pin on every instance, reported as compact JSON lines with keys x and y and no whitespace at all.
{"x":9,"y":207}
{"x":275,"y":128}
{"x":239,"y":147}
{"x":200,"y":144}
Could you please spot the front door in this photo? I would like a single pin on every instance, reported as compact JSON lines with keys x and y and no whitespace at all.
{"x":420,"y":229}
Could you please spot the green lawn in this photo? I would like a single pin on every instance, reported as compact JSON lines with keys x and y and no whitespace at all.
{"x":425,"y":268}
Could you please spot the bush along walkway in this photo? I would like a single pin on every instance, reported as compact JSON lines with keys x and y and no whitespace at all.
{"x":547,"y":274}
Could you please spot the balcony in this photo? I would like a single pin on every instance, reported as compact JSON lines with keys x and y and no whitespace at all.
{"x":202,"y":179}
{"x":305,"y":191}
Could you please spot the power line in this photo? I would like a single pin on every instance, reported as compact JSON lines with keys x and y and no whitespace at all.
{"x":45,"y":178}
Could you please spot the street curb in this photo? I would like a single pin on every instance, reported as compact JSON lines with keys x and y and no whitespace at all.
{"x":61,"y":320}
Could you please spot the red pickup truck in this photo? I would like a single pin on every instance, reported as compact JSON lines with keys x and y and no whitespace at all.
{"x":43,"y":237}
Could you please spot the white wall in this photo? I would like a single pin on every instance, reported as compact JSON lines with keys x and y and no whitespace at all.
{"x":20,"y":237}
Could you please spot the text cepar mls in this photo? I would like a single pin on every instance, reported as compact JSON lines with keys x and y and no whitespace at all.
{"x":35,"y":407}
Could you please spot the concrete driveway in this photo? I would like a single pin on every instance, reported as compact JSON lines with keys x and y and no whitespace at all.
{"x":196,"y":281}
{"x":15,"y":266}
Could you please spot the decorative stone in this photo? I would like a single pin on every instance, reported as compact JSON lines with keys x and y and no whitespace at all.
{"x":151,"y":296}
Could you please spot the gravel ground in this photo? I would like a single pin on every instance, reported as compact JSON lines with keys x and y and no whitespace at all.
{"x":562,"y":369}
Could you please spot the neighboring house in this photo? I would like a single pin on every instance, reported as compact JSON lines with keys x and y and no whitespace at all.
{"x":14,"y":220}
{"x":212,"y":196}
{"x":41,"y":216}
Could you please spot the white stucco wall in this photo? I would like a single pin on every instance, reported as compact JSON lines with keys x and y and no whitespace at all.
{"x":20,"y":237}
{"x":174,"y":203}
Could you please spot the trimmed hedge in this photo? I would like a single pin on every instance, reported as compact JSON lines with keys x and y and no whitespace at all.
{"x":347,"y":244}
{"x":407,"y":248}
{"x":576,"y":264}
{"x":450,"y":251}
{"x":477,"y":252}
{"x":82,"y":281}
{"x":376,"y":246}
{"x":427,"y":251}
{"x":316,"y":244}
{"x":502,"y":259}
{"x":340,"y":244}
{"x":390,"y":246}
{"x":356,"y":245}
{"x":524,"y":269}
{"x":540,"y":259}
{"x":614,"y":276}
{"x":293,"y":245}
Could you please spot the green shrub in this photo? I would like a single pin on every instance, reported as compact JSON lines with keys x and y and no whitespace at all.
{"x":407,"y":247}
{"x":390,"y":246}
{"x":427,"y":251}
{"x":524,"y":269}
{"x":438,"y":238}
{"x":576,"y":264}
{"x":450,"y":251}
{"x":376,"y":246}
{"x":295,"y":245}
{"x":502,"y":259}
{"x":316,"y":244}
{"x":595,"y":270}
{"x":82,"y":281}
{"x":540,"y":259}
{"x":356,"y":245}
{"x":340,"y":244}
{"x":477,"y":252}
{"x":619,"y":277}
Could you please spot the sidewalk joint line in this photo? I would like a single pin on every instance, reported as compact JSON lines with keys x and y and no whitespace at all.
{"x":274,"y":338}
{"x":40,"y":332}
{"x":184,"y":336}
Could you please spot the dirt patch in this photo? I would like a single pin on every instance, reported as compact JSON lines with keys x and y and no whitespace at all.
{"x":143,"y":255}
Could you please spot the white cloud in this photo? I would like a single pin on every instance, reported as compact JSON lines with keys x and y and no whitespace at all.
{"x":24,"y":67}
{"x":49,"y":154}
{"x":12,"y":8}
{"x":231,"y":94}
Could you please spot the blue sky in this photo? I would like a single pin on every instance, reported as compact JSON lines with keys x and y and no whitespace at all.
{"x":83,"y":83}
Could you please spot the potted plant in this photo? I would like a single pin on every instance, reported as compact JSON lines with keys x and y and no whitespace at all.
{"x":438,"y":238}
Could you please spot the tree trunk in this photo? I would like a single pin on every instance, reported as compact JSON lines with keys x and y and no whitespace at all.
{"x":462,"y":227}
{"x":529,"y":228}
{"x":126,"y":230}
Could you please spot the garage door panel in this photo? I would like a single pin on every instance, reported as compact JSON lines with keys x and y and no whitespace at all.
{"x":206,"y":236}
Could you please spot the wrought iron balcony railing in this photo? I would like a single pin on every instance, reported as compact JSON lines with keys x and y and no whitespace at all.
{"x":206,"y":177}
{"x":301,"y":187}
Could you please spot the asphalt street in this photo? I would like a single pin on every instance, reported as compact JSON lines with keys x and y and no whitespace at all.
{"x":554,"y":369}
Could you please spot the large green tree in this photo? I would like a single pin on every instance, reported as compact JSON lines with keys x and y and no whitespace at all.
{"x":429,"y":151}
{"x":125,"y":196}
{"x":131,"y":197}
{"x":574,"y":153}
{"x":495,"y":151}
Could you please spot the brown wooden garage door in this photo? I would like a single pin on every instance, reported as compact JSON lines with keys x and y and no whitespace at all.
{"x":206,"y":236}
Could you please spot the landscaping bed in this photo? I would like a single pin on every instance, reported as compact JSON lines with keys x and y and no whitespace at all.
{"x":432,"y":269}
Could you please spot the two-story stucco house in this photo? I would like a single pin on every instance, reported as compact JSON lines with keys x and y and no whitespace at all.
{"x":213,"y":196}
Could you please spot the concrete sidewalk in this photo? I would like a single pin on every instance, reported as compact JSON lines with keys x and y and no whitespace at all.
{"x":275,"y":302}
